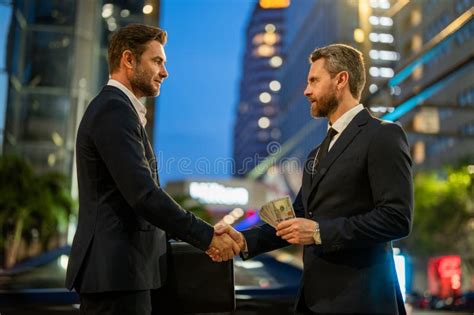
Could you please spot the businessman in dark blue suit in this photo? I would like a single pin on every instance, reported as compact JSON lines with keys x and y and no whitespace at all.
{"x":119,"y":250}
{"x":356,"y":197}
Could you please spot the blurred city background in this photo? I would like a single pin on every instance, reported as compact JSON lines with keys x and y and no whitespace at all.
{"x":232,"y":129}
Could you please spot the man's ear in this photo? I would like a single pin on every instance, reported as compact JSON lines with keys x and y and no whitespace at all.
{"x":128,"y":59}
{"x":342,"y":79}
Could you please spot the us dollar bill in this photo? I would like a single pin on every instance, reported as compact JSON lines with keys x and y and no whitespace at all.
{"x":277,"y":210}
{"x":283,"y":209}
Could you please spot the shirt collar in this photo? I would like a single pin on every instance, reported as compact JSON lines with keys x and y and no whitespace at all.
{"x":139,"y":107}
{"x":342,"y":122}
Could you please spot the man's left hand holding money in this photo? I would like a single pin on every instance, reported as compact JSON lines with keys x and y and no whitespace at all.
{"x":299,"y":231}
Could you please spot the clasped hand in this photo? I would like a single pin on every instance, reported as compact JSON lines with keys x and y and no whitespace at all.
{"x":226,"y":243}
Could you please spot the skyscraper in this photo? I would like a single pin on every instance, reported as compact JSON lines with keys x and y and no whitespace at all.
{"x":309,"y":24}
{"x":256,"y":124}
{"x":432,"y":88}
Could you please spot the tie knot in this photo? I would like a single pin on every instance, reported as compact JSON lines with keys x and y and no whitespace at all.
{"x":331,"y":133}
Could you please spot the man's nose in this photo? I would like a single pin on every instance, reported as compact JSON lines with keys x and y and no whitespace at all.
{"x":164,"y":73}
{"x":307,"y":92}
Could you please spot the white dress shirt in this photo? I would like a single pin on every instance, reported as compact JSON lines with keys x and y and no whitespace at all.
{"x":342,"y":122}
{"x":139,"y":107}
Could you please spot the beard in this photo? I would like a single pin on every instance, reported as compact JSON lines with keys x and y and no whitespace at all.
{"x":142,"y":81}
{"x":325,"y":105}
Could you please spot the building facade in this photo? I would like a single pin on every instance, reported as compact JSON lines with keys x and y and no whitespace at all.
{"x":432,"y":90}
{"x":258,"y":106}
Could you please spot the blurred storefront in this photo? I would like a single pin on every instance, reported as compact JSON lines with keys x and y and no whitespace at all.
{"x":233,"y":200}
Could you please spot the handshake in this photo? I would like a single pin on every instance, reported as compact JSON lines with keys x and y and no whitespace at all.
{"x":226,"y":243}
{"x":279,"y":214}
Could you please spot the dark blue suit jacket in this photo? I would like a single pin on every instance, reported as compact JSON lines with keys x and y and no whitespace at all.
{"x":362,"y":198}
{"x":120,"y":243}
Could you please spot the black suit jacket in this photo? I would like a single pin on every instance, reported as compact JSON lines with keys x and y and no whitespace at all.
{"x":120,"y":242}
{"x":362,"y":198}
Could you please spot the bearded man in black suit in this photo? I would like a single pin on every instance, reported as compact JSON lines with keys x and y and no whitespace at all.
{"x":119,"y":250}
{"x":356,"y":197}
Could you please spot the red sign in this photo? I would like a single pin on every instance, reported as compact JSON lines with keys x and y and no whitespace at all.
{"x":444,"y":276}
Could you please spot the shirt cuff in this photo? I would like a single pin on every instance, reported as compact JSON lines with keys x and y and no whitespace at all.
{"x":317,"y":235}
{"x":244,"y":253}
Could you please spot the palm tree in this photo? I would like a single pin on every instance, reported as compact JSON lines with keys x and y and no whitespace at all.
{"x":29,"y":201}
{"x":16,"y":184}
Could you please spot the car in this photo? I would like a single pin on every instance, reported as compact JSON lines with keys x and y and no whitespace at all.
{"x":267,"y":284}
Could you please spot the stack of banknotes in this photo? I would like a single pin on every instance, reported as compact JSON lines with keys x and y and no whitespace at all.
{"x":277,"y":210}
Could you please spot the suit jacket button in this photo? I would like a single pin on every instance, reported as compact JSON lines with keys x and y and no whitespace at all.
{"x":310,"y":214}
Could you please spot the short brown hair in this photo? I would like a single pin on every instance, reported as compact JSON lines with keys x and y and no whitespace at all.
{"x":340,"y":57}
{"x":132,"y":37}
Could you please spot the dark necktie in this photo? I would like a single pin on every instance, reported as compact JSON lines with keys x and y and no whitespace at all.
{"x":323,"y":149}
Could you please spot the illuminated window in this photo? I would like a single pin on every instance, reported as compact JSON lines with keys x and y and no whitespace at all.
{"x":264,"y":122}
{"x":359,"y":35}
{"x":384,"y":55}
{"x":374,"y":37}
{"x":385,"y":21}
{"x":265,"y":97}
{"x":270,"y":28}
{"x":373,"y":88}
{"x":271,"y":38}
{"x":381,"y":37}
{"x":386,"y":72}
{"x":383,"y":72}
{"x":147,"y":9}
{"x":388,"y":55}
{"x":386,"y":38}
{"x":275,"y":86}
{"x":416,"y":43}
{"x":125,"y":13}
{"x":274,"y":4}
{"x":384,"y":4}
{"x":107,"y":10}
{"x":415,"y":17}
{"x":395,"y":90}
{"x":257,"y":39}
{"x":374,"y":20}
{"x":374,"y":54}
{"x":276,"y":61}
{"x":374,"y":71}
{"x":265,"y":51}
{"x":418,"y":72}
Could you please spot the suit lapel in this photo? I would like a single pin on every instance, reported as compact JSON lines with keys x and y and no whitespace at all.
{"x":347,"y":136}
{"x":149,"y":153}
{"x":307,"y":176}
{"x":150,"y":156}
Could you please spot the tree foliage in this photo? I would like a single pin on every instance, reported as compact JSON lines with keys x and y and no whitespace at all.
{"x":444,"y":213}
{"x":30,"y":202}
